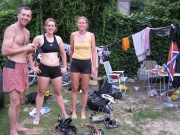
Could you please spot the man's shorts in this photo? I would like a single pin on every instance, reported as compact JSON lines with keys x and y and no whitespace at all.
{"x":15,"y":76}
{"x":81,"y":66}
{"x":47,"y":71}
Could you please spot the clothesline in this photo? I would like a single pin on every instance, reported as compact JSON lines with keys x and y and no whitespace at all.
{"x":117,"y":41}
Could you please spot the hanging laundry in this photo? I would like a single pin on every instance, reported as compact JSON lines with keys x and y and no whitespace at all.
{"x":147,"y":40}
{"x":171,"y":62}
{"x":106,"y":52}
{"x":162,"y":31}
{"x":139,"y":45}
{"x":125,"y":44}
{"x":174,"y":33}
{"x":100,"y":54}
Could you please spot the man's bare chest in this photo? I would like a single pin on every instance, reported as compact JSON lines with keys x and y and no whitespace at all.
{"x":21,"y":39}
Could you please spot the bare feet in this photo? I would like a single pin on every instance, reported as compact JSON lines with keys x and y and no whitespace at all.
{"x":14,"y":133}
{"x":83,"y":116}
{"x":74,"y":116}
{"x":22,"y":129}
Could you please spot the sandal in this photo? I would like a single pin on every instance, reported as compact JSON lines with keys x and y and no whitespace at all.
{"x":107,"y":120}
{"x":96,"y":119}
{"x":95,"y":130}
{"x":56,"y":129}
{"x":112,"y":124}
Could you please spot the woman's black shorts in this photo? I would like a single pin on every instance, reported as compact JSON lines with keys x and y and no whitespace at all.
{"x":47,"y":71}
{"x":81,"y":66}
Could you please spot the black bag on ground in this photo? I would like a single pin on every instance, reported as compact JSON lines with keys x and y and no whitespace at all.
{"x":96,"y":102}
{"x":31,"y":97}
{"x":104,"y":87}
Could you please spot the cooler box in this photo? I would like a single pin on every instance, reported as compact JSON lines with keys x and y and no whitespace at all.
{"x":140,"y":74}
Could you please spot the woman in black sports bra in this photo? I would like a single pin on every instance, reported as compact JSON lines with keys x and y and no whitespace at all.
{"x":49,"y":68}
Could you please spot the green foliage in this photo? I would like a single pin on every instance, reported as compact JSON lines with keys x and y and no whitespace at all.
{"x":108,"y":27}
{"x":6,"y":18}
{"x":156,"y":8}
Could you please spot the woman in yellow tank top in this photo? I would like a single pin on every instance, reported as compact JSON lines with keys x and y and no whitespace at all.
{"x":82,"y":65}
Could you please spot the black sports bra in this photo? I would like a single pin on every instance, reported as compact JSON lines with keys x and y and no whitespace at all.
{"x":49,"y":47}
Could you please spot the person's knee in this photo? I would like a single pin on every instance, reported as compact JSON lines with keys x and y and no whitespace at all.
{"x":15,"y":103}
{"x":74,"y":89}
{"x":57,"y":93}
{"x":41,"y":93}
{"x":84,"y":89}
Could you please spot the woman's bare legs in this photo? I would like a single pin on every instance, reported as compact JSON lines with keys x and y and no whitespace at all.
{"x":42,"y":86}
{"x":84,"y":87}
{"x":57,"y":86}
{"x":74,"y":90}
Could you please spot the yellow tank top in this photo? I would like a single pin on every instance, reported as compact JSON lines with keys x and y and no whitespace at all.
{"x":82,"y":50}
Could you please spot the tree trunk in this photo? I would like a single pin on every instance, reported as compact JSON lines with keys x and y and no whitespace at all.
{"x":41,"y":14}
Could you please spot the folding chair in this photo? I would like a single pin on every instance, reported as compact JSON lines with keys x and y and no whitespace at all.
{"x":115,"y":76}
{"x":149,"y":76}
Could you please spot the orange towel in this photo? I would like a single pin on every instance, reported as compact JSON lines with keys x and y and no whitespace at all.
{"x":125,"y":44}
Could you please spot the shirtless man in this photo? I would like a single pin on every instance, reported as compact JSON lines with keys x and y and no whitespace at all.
{"x":15,"y":72}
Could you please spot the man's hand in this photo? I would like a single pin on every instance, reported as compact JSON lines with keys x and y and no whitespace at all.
{"x":29,"y":47}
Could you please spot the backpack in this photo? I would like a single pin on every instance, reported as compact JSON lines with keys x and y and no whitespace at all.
{"x":104,"y":87}
{"x":31,"y":97}
{"x":96,"y":102}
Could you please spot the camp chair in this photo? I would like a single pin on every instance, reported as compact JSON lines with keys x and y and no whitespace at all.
{"x":150,"y":79}
{"x":115,"y":76}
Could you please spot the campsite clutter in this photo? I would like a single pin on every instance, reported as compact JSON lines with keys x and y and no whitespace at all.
{"x":101,"y":101}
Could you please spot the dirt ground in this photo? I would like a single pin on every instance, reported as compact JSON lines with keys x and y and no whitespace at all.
{"x":167,"y":123}
{"x":138,"y":101}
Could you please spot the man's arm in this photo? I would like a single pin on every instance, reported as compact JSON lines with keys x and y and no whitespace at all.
{"x":7,"y":49}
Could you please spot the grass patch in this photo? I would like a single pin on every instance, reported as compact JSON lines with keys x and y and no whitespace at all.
{"x":150,"y":114}
{"x":50,"y":119}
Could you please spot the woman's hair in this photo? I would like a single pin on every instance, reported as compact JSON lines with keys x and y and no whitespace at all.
{"x":51,"y":20}
{"x":82,"y":17}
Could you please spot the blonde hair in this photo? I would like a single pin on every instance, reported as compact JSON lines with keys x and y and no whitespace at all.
{"x":51,"y":20}
{"x":83,"y":17}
